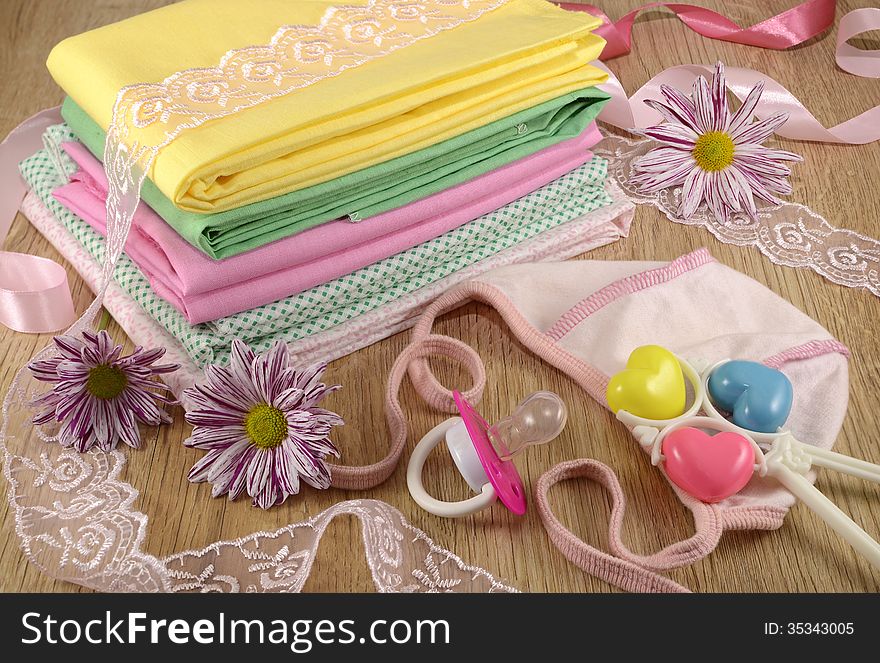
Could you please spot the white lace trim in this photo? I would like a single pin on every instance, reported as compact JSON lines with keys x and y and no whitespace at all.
{"x":75,"y":520}
{"x":789,"y":234}
{"x":296,"y":56}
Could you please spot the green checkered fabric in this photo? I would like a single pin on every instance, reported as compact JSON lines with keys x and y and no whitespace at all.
{"x":325,"y":306}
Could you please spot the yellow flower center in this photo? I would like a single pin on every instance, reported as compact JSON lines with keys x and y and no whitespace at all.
{"x":714,"y":151}
{"x":106,"y":382}
{"x":266,"y":426}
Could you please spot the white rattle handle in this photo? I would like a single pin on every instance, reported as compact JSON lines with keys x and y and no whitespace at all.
{"x":789,"y":460}
{"x":827,"y":511}
{"x":420,"y":495}
{"x":844,"y":464}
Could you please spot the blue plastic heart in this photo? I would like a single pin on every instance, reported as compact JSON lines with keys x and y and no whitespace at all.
{"x":757,"y":397}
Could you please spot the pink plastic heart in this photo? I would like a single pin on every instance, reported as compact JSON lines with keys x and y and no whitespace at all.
{"x":709,"y":467}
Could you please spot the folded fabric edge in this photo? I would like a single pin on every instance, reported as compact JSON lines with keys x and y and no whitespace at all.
{"x":201,"y":344}
{"x":199,"y":305}
{"x":348,"y":337}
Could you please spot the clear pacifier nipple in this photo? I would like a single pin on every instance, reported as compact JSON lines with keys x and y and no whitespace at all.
{"x":537,"y":420}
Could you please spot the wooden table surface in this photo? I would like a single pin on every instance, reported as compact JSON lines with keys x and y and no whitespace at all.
{"x":840,"y":182}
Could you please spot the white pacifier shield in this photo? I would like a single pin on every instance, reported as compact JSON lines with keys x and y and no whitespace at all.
{"x":466,"y":460}
{"x":465,"y":456}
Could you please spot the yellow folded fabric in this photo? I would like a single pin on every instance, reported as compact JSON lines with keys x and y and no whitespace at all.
{"x":433,"y":69}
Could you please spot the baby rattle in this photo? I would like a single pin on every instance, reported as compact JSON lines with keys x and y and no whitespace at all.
{"x":650,"y":397}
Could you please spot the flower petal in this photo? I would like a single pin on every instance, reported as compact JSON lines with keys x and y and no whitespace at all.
{"x":692,"y":193}
{"x":127,"y":428}
{"x":199,"y":472}
{"x":757,"y":185}
{"x":759,"y":131}
{"x":681,"y":104}
{"x":285,"y":471}
{"x":215,"y":438}
{"x":311,"y":375}
{"x":713,"y":198}
{"x":268,"y":497}
{"x":45,"y":370}
{"x":744,"y":112}
{"x":672,"y":177}
{"x":660,"y":159}
{"x":720,"y":112}
{"x":142,"y":404}
{"x":214,"y":418}
{"x":223,"y":390}
{"x":777,"y":185}
{"x":676,"y":135}
{"x":238,"y":480}
{"x":70,"y":346}
{"x":728,"y":190}
{"x":703,"y":105}
{"x":761,"y":164}
{"x":767,"y":152}
{"x":101,"y":426}
{"x":289,"y":399}
{"x":240,"y":360}
{"x":266,"y":370}
{"x":673,"y":114}
{"x":227,"y":461}
{"x":745,"y":191}
{"x":79,"y":418}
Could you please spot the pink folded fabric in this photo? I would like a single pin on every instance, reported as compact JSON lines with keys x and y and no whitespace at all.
{"x":204,"y":289}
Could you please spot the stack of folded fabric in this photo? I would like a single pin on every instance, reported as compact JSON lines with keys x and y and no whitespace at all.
{"x":329,"y":215}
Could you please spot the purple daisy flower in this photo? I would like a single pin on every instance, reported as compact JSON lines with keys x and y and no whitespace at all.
{"x":713,"y":155}
{"x":100,"y":396}
{"x":260,"y":423}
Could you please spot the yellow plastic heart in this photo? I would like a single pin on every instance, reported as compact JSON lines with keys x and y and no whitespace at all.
{"x":652,"y":385}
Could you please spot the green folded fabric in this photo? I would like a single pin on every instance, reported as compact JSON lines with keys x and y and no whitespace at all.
{"x":370,"y":191}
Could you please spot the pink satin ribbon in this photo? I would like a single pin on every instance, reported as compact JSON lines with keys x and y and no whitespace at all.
{"x":782,"y":31}
{"x":34,"y":293}
{"x":779,"y":32}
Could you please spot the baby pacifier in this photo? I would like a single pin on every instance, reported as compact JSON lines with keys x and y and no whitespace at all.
{"x":483,"y":453}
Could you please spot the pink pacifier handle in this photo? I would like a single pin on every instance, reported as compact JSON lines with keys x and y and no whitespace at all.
{"x":502,"y":474}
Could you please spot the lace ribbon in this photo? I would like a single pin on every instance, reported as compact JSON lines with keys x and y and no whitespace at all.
{"x":790,"y":234}
{"x":401,"y":558}
{"x":75,"y":520}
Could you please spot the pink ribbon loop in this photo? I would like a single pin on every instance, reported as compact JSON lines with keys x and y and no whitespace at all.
{"x":852,"y":59}
{"x":34,"y":292}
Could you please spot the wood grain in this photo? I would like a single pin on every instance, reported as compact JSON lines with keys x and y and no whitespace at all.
{"x":839,"y":182}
